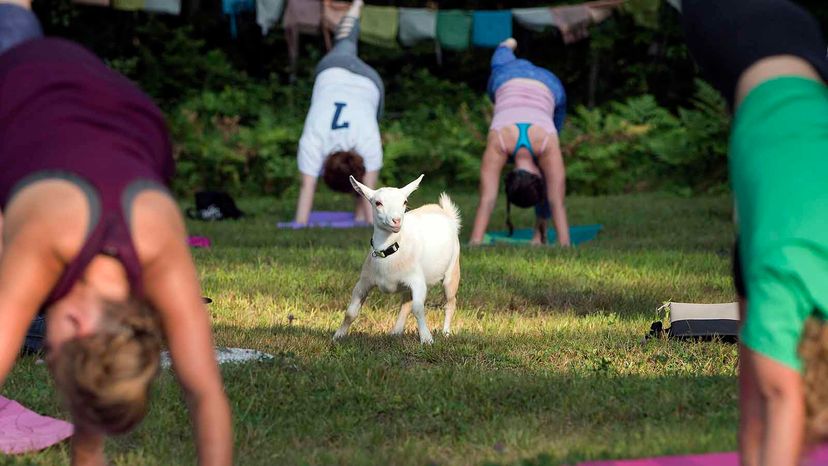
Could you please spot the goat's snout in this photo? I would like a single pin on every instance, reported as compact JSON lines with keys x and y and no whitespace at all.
{"x":396,"y":221}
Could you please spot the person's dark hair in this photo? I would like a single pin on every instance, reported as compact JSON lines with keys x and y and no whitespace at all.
{"x":523,"y":189}
{"x":339,"y":166}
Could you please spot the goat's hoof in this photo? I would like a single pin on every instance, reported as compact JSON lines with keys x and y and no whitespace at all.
{"x":396,"y":333}
{"x":339,"y":335}
{"x":426,"y":340}
{"x":446,"y":333}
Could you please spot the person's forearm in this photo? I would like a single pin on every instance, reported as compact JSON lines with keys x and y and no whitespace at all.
{"x":87,"y":448}
{"x":751,"y":420}
{"x":784,"y":432}
{"x":211,"y":416}
{"x":481,"y":220}
{"x":305,"y":201}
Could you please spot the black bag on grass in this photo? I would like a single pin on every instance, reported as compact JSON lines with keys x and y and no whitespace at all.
{"x":214,"y":205}
{"x":700,"y":322}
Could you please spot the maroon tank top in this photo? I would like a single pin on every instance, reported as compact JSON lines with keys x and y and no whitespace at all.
{"x":64,"y":114}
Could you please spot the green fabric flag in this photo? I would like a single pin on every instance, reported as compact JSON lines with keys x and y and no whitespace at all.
{"x":130,"y":5}
{"x":454,"y":29}
{"x":379,"y":25}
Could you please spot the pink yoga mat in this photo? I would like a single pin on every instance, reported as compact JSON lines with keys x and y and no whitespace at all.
{"x":199,"y":241}
{"x":816,"y":458}
{"x":23,"y":431}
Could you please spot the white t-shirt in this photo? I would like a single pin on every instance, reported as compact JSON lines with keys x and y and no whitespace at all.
{"x":342,"y":117}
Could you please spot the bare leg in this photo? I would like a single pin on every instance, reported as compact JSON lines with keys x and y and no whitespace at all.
{"x":418,"y":295}
{"x":405,"y":310}
{"x":450,"y":284}
{"x":357,"y":298}
{"x":23,"y":3}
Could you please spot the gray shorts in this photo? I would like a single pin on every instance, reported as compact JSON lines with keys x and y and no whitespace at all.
{"x":344,"y":55}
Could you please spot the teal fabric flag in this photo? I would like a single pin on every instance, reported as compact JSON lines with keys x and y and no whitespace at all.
{"x":535,"y":19}
{"x":172,"y":7}
{"x":232,"y":7}
{"x":454,"y":29}
{"x":490,"y":28}
{"x":417,"y":24}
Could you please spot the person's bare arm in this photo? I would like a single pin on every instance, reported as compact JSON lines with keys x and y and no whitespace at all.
{"x":363,"y":211}
{"x":28,"y":271}
{"x":554,"y":171}
{"x":171,"y":286}
{"x":782,"y":399}
{"x":751,"y":419}
{"x":305,"y":202}
{"x":490,"y":169}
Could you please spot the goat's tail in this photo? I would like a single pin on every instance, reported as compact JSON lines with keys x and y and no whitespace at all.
{"x":451,"y":209}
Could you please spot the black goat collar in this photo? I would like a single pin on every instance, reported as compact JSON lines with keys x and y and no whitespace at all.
{"x":385,"y":252}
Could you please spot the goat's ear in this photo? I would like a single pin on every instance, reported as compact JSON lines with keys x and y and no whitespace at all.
{"x":410,"y":187}
{"x":366,"y":192}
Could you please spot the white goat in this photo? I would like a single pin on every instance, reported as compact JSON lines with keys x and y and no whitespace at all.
{"x":413,"y":249}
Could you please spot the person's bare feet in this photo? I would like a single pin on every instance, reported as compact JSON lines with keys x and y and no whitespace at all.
{"x":510,"y":42}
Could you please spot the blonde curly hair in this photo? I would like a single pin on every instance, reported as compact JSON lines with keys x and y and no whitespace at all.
{"x":105,"y":378}
{"x":814,"y":352}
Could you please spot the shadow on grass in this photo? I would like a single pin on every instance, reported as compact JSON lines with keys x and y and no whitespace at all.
{"x":373,"y":399}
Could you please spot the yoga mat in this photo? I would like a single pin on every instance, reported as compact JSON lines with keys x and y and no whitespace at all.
{"x":577,"y":235}
{"x":326,"y":219}
{"x":199,"y":241}
{"x":817,"y":457}
{"x":225,"y":355}
{"x":23,"y":431}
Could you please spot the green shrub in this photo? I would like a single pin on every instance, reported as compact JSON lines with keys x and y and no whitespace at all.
{"x":636,"y":145}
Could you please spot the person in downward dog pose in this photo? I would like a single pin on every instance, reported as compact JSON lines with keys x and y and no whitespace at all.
{"x":341,"y":137}
{"x":93,"y":241}
{"x":767,"y":57}
{"x":530,"y":107}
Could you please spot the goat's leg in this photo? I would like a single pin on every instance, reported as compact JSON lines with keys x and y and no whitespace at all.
{"x":357,"y":298}
{"x":418,"y":295}
{"x":405,"y":309}
{"x":450,"y":284}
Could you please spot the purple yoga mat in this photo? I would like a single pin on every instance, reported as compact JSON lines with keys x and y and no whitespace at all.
{"x":817,"y":457}
{"x":326,"y":219}
{"x":23,"y":431}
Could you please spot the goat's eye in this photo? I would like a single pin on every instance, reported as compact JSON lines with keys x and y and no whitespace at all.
{"x":378,"y":203}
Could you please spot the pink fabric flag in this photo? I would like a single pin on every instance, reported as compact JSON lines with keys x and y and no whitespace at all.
{"x":818,"y":456}
{"x":23,"y":431}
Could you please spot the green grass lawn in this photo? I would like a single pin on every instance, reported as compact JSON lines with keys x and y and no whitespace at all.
{"x":547,"y":364}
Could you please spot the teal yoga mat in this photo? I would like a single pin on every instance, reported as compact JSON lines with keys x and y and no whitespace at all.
{"x":578,"y":234}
